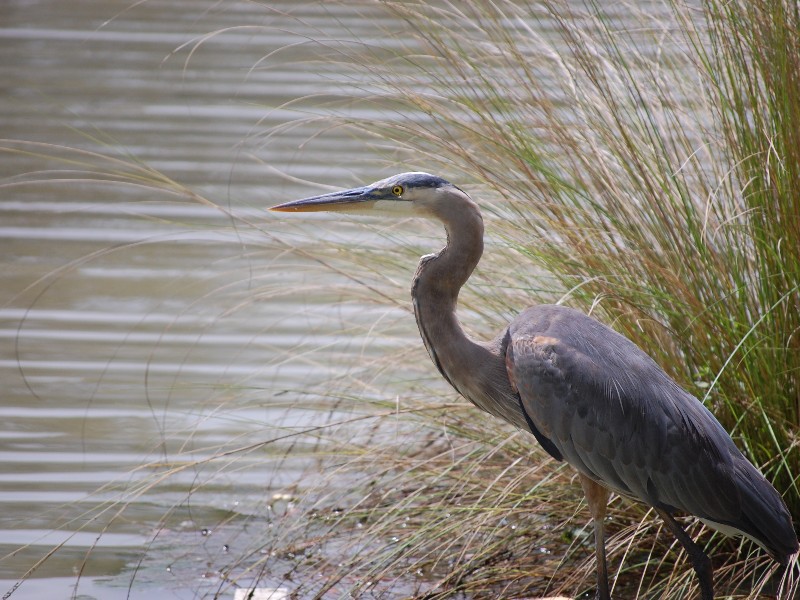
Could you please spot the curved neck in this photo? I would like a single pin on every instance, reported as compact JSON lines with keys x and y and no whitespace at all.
{"x":475,"y":369}
{"x":440,"y":276}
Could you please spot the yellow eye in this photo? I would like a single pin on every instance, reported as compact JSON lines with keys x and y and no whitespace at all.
{"x":397,"y":190}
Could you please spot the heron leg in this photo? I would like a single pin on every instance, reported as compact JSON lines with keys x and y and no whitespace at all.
{"x":699,"y":559}
{"x":597,"y":497}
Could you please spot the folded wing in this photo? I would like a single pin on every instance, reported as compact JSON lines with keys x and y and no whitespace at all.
{"x":617,"y":417}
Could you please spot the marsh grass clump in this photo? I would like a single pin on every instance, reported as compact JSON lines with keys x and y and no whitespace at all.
{"x":653,"y":174}
{"x":643,"y":167}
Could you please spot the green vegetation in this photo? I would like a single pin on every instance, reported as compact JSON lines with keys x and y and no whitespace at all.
{"x":650,"y":176}
{"x":654,"y":174}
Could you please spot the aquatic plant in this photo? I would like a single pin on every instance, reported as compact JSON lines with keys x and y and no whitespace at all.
{"x":647,"y":174}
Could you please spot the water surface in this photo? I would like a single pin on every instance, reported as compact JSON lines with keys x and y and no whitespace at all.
{"x":143,"y":333}
{"x":139,"y":328}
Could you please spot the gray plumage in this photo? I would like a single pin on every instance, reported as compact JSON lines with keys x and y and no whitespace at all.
{"x":588,"y":394}
{"x":616,"y":416}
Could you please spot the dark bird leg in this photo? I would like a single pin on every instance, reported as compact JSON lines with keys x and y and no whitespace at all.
{"x":597,"y":497}
{"x":699,"y":559}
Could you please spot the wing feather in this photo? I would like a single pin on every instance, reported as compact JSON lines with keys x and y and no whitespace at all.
{"x":619,"y":418}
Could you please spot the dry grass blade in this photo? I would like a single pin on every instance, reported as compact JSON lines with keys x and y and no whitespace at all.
{"x":650,"y":173}
{"x":644,"y":167}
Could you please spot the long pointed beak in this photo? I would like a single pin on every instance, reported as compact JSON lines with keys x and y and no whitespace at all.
{"x":356,"y":199}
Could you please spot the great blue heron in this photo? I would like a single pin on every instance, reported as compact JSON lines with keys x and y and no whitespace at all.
{"x":589,"y":395}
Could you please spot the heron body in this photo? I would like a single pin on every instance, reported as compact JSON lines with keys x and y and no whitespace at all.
{"x":590,"y":396}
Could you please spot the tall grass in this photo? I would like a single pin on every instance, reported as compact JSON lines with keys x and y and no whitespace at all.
{"x":647,"y":174}
{"x":652,"y":172}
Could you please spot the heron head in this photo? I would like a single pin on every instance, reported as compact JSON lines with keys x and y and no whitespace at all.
{"x":407,"y":194}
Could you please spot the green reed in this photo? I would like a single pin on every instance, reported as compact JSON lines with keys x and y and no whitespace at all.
{"x":643,"y":167}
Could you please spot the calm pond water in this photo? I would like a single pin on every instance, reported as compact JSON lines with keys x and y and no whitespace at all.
{"x":139,"y":329}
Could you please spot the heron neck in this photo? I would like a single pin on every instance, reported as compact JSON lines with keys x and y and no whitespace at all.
{"x":441,"y":276}
{"x":438,"y":280}
{"x":475,"y":369}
